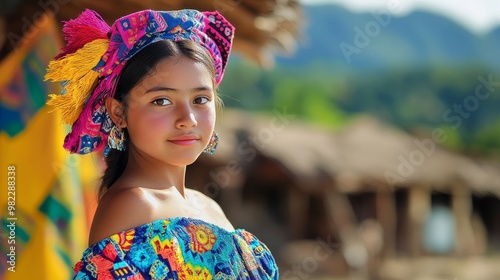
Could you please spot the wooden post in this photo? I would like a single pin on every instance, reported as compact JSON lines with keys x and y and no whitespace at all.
{"x":344,"y":219}
{"x":462,"y":210}
{"x":419,"y":200}
{"x":480,"y":235}
{"x":298,"y":204}
{"x":387,"y":216}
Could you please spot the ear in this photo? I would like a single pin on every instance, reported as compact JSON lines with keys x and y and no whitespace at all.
{"x":116,"y":112}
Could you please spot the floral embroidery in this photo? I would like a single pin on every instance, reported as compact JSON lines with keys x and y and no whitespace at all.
{"x":193,"y":272}
{"x":158,"y":270}
{"x":169,"y":250}
{"x":202,"y":238}
{"x":100,"y":267}
{"x":124,"y":239}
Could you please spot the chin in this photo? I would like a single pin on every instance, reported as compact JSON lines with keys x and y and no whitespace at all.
{"x":186,"y":160}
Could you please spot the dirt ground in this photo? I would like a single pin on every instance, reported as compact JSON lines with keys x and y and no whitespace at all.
{"x":425,"y":268}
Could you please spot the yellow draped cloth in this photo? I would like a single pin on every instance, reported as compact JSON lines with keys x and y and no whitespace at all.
{"x":47,"y":195}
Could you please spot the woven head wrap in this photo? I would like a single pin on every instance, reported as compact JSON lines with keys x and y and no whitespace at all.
{"x":90,"y":64}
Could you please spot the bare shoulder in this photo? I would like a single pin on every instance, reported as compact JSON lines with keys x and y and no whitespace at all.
{"x":207,"y":202}
{"x":119,"y":210}
{"x":211,"y":209}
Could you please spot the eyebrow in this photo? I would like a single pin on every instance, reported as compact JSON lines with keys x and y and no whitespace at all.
{"x":162,"y":88}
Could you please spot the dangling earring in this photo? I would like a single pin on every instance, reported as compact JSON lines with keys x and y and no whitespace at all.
{"x":212,"y":145}
{"x":116,"y":140}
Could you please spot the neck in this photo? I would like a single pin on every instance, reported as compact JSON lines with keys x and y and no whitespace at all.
{"x":150,"y":173}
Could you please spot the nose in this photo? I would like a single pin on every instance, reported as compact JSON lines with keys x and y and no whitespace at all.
{"x":185,"y":118}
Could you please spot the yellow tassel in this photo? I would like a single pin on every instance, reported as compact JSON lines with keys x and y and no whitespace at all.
{"x":76,"y":70}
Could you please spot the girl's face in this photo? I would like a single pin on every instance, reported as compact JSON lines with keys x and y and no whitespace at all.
{"x":171,"y":113}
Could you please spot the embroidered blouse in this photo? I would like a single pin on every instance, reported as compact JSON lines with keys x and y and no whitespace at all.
{"x":178,"y":248}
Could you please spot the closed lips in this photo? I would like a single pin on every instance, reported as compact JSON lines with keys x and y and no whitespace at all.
{"x":185,"y":140}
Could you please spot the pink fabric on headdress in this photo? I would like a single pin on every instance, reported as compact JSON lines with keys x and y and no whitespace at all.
{"x":85,"y":28}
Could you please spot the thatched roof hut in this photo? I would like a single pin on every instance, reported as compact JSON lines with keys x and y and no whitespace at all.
{"x":365,"y":155}
{"x":374,"y":152}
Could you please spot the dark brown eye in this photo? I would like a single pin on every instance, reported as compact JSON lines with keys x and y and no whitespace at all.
{"x":161,"y":102}
{"x":201,"y":100}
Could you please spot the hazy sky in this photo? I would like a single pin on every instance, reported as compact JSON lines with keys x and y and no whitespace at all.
{"x":478,"y":15}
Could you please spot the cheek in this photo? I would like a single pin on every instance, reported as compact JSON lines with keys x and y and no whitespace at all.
{"x":144,"y":124}
{"x":208,"y":119}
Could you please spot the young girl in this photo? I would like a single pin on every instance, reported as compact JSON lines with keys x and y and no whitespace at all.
{"x":145,"y":91}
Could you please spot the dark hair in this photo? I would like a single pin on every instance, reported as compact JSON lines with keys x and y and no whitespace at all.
{"x":135,"y":70}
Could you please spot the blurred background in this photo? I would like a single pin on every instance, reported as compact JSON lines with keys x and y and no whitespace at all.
{"x":359,"y":139}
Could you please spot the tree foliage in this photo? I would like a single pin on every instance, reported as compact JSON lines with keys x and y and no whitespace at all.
{"x":464,"y":102}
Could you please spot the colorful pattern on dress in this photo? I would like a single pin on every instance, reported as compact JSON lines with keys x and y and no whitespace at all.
{"x":178,"y":248}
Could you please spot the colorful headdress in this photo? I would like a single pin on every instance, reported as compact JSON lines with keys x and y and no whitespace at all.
{"x":90,"y":64}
